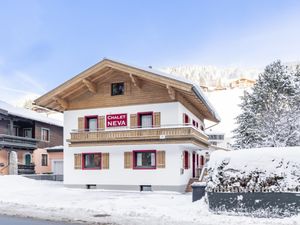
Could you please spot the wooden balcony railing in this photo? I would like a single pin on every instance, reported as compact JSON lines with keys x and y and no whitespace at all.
{"x":178,"y":134}
{"x":11,"y":141}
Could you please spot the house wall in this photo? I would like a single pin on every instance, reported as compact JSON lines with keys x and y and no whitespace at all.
{"x":171,"y":114}
{"x":37,"y":159}
{"x":117,"y":177}
{"x":56,"y":135}
{"x":3,"y":126}
{"x":4,"y":160}
{"x":169,"y":178}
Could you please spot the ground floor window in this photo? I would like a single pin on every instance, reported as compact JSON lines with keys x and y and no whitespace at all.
{"x":144,"y":159}
{"x":44,"y":160}
{"x":92,"y":161}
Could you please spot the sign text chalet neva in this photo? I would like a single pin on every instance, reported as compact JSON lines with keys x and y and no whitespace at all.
{"x":116,"y":120}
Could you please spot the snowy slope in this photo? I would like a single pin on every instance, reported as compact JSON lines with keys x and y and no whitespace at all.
{"x":50,"y":200}
{"x":226,"y":103}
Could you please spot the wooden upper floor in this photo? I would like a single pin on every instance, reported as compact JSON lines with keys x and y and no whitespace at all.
{"x":27,"y":132}
{"x":111,"y":84}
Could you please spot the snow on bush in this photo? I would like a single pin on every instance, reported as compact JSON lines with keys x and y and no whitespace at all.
{"x":261,"y":169}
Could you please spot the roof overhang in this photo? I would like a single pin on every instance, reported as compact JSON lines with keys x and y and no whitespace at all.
{"x":55,"y":100}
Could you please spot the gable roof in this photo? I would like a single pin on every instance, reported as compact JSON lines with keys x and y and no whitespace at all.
{"x":28,"y":114}
{"x":180,"y":83}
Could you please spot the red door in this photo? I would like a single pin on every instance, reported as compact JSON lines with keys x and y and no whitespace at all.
{"x":194,"y":164}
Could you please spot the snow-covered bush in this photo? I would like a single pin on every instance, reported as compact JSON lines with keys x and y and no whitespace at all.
{"x":263,"y":169}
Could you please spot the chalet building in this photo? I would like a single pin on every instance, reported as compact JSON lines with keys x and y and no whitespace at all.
{"x":28,"y":134}
{"x":241,"y":83}
{"x":127,"y":127}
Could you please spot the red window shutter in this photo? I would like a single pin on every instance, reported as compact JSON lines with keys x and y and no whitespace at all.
{"x":186,"y":160}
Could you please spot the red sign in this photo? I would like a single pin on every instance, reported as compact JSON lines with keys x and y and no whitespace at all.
{"x":116,"y":120}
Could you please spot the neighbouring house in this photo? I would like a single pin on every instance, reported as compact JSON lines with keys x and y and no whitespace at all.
{"x":28,"y":134}
{"x":242,"y":83}
{"x":218,"y":140}
{"x":134,"y":128}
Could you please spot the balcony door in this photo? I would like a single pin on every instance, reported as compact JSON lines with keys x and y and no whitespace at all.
{"x":145,"y":119}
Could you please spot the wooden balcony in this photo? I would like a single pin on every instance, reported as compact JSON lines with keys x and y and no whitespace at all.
{"x":179,"y":134}
{"x":16,"y":142}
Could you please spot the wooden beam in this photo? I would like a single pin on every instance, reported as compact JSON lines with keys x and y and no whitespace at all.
{"x":62,"y":102}
{"x":171,"y":92}
{"x":91,"y":86}
{"x":136,"y":82}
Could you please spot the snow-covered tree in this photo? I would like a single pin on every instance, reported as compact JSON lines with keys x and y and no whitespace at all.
{"x":271,"y":111}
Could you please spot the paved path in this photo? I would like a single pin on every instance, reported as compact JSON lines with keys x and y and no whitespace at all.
{"x":6,"y":220}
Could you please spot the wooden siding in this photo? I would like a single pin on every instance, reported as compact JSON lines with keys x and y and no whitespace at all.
{"x":56,"y":135}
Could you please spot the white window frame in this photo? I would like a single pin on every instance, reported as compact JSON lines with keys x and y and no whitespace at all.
{"x":42,"y":134}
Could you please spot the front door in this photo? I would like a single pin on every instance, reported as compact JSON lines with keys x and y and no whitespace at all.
{"x":27,"y":159}
{"x":194,"y":164}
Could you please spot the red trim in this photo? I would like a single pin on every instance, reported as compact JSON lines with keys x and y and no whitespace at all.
{"x":86,"y":118}
{"x":186,"y":160}
{"x":134,"y":160}
{"x":197,"y":160}
{"x":201,"y":160}
{"x":194,"y":164}
{"x":186,"y":118}
{"x":90,"y":153}
{"x":139,"y":114}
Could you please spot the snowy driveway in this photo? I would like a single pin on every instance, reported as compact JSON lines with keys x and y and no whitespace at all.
{"x":50,"y":200}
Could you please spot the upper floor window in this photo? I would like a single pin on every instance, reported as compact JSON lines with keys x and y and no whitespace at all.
{"x":144,"y":159}
{"x":27,"y":132}
{"x":92,"y":161}
{"x":186,"y":119}
{"x":44,"y":160}
{"x":117,"y":89}
{"x":91,"y":123}
{"x":145,"y":119}
{"x":45,"y":134}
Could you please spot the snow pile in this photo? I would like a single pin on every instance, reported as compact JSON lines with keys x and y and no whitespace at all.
{"x":52,"y":201}
{"x":261,"y":169}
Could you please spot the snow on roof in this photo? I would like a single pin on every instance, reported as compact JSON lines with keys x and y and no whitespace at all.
{"x":55,"y":148}
{"x":28,"y":114}
{"x":196,"y":88}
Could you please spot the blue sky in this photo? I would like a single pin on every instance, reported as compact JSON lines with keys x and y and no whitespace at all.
{"x":46,"y":42}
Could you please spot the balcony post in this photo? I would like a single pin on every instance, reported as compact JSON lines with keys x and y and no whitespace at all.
{"x":11,"y":127}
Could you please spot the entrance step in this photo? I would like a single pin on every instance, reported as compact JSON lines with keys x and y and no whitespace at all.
{"x":189,"y":185}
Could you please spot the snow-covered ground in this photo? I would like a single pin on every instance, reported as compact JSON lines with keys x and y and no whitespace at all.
{"x":50,"y":200}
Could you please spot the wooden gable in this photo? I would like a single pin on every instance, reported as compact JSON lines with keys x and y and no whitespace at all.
{"x":92,"y":89}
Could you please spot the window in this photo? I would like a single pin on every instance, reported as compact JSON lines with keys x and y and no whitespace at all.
{"x":45,"y":136}
{"x":117,"y":89}
{"x":91,"y":123}
{"x":144,"y":159}
{"x":27,"y":132}
{"x":44,"y":160}
{"x":186,"y":119}
{"x":145,"y":119}
{"x":91,"y":161}
{"x":186,"y":158}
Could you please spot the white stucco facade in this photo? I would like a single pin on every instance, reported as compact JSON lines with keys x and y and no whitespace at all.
{"x":172,"y":177}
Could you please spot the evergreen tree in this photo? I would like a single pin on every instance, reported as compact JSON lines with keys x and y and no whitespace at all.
{"x":270,"y":114}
